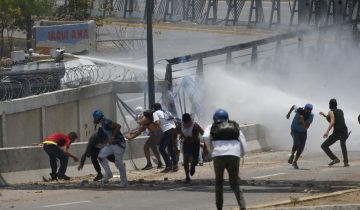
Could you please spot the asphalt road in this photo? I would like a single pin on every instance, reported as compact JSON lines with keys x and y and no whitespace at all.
{"x":266,"y":177}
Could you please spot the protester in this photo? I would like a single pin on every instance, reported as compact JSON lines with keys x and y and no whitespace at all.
{"x":190,"y":132}
{"x":228,"y":144}
{"x":52,"y":146}
{"x":145,"y":121}
{"x":95,"y":144}
{"x":114,"y":144}
{"x":299,"y":126}
{"x":165,"y":121}
{"x":336,"y":120}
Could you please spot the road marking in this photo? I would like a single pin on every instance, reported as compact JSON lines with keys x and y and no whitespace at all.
{"x":65,"y":204}
{"x":270,"y":175}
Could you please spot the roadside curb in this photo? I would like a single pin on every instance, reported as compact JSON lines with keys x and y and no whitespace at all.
{"x":309,"y":198}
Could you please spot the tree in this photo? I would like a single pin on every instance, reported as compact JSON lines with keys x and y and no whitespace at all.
{"x":8,"y":15}
{"x":75,"y":9}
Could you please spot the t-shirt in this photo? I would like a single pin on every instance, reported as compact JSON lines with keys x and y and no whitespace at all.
{"x":60,"y":139}
{"x":191,"y":134}
{"x":297,"y":126}
{"x":166,"y":120}
{"x":225,"y":147}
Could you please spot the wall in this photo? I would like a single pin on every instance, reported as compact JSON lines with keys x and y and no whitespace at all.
{"x":25,"y":164}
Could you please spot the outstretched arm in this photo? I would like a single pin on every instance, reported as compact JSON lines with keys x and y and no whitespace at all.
{"x":331,"y":125}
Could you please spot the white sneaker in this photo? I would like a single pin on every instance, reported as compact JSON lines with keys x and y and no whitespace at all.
{"x":123,"y":184}
{"x":106,"y":178}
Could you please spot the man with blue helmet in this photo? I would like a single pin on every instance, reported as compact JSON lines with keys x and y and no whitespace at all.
{"x":95,"y":144}
{"x":299,"y":126}
{"x":114,"y":144}
{"x":228,"y":144}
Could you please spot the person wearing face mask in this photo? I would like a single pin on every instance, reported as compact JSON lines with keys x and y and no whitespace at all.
{"x":336,"y":120}
{"x":299,"y":126}
{"x":190,"y":132}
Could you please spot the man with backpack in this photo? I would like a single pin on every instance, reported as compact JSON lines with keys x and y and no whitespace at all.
{"x":299,"y":126}
{"x":165,"y":121}
{"x":227,"y":144}
{"x":95,"y":144}
{"x":115,"y":144}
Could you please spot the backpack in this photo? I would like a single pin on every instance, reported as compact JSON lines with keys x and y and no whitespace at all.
{"x":227,"y":130}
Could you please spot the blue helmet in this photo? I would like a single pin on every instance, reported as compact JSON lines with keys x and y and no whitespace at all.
{"x":220,"y":114}
{"x":309,"y":107}
{"x":98,"y":115}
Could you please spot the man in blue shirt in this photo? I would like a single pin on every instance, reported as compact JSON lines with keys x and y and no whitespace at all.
{"x":301,"y":122}
{"x":114,"y":144}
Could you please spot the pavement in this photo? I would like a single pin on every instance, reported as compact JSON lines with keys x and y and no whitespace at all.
{"x":267,"y":180}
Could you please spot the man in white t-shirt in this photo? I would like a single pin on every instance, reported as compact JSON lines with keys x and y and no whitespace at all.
{"x":165,"y":121}
{"x":227,"y":144}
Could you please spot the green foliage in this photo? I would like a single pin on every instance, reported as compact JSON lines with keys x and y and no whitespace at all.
{"x":75,"y":10}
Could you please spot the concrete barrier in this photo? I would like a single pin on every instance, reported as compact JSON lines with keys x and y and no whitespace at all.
{"x":31,"y":163}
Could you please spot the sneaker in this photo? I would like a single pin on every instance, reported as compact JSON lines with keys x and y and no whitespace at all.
{"x":147,"y":167}
{"x":334,"y":162}
{"x":160,"y":165}
{"x":192,"y":170}
{"x":106,"y":178}
{"x":291,"y":159}
{"x":187,"y":180}
{"x":53,"y":177}
{"x":166,"y":170}
{"x":346,"y":164}
{"x":98,"y":177}
{"x":175,"y":168}
{"x":295,"y":165}
{"x":63,"y":177}
{"x":123,"y":184}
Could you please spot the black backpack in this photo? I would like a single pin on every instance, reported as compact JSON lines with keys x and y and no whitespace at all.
{"x":227,"y":130}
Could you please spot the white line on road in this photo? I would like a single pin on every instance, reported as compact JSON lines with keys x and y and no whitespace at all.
{"x":65,"y":204}
{"x":270,"y":175}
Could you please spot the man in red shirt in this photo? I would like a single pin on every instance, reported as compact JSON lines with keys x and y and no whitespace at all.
{"x":52,"y":146}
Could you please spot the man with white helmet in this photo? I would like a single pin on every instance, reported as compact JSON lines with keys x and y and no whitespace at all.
{"x":227,"y":144}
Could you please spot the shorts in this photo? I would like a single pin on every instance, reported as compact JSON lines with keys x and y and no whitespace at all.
{"x":154,"y":138}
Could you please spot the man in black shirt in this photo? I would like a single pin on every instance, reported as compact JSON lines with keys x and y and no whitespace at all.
{"x":340,"y":132}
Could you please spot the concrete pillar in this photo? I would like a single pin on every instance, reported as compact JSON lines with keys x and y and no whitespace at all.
{"x":3,"y":128}
{"x":43,"y":123}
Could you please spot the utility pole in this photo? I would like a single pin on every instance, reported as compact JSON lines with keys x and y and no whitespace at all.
{"x":150,"y":54}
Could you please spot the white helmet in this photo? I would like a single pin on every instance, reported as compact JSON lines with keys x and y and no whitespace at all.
{"x":139,"y":110}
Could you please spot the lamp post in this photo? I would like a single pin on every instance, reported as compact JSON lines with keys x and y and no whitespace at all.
{"x":150,"y":54}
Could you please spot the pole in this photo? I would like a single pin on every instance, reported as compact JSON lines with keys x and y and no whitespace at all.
{"x":150,"y":54}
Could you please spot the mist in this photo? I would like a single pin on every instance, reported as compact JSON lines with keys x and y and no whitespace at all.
{"x":265,"y":93}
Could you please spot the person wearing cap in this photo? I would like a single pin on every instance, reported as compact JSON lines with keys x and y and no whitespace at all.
{"x":190,"y":132}
{"x":145,"y":120}
{"x":336,"y":120}
{"x":114,"y":144}
{"x":299,"y":126}
{"x":52,"y":146}
{"x":227,"y":144}
{"x":165,"y":121}
{"x":95,"y":144}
